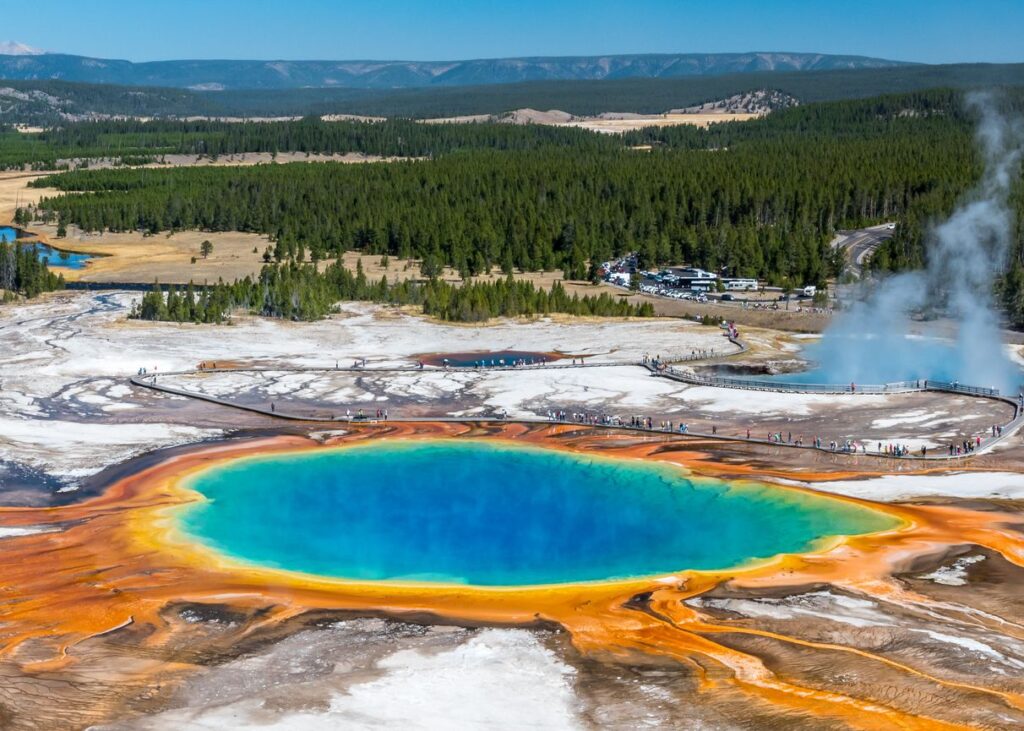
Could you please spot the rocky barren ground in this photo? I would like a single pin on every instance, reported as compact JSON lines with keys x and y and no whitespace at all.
{"x":943,"y":640}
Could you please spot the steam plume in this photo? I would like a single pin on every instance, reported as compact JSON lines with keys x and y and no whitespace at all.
{"x":966,"y":252}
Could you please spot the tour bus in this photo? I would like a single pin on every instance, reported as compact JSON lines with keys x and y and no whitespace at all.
{"x":745,"y":285}
{"x":692,"y":273}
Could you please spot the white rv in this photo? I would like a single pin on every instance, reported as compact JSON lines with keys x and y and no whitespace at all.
{"x":742,"y":285}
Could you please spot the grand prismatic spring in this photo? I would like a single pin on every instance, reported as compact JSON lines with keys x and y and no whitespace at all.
{"x":282,"y":527}
{"x":497,"y":514}
{"x":345,"y":422}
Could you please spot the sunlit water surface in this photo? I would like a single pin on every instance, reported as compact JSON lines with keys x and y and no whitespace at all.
{"x":486,"y":513}
{"x":871,"y":360}
{"x":488,"y":359}
{"x":57,"y":258}
{"x":61,"y":259}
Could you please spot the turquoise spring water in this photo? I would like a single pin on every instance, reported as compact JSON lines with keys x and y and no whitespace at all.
{"x":906,"y":359}
{"x":487,"y":359}
{"x":493,"y":514}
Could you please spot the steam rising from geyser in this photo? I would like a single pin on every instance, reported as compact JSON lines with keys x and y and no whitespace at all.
{"x":869,"y":343}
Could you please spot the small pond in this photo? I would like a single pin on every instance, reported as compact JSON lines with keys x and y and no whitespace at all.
{"x":53,"y":257}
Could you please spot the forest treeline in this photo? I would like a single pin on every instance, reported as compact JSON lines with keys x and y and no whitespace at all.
{"x":755,"y":199}
{"x":137,"y":142}
{"x":23,"y":273}
{"x":301,"y":292}
{"x":940,"y":118}
{"x":529,"y":211}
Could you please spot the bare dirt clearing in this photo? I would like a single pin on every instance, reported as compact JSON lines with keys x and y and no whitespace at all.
{"x":608,"y":122}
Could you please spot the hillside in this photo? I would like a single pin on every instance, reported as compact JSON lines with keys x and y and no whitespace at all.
{"x":646,"y":96}
{"x":48,"y":102}
{"x":221,"y":75}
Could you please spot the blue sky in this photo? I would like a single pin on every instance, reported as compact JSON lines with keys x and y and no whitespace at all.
{"x":934,"y":31}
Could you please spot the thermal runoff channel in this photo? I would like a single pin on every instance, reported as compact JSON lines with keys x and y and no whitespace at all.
{"x":492,"y":515}
{"x":871,"y":342}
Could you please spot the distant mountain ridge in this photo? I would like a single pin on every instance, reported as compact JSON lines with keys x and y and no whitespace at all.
{"x":47,"y":102}
{"x":26,"y":64}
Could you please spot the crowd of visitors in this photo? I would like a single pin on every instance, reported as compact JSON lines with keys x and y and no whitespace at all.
{"x":659,"y":363}
{"x":774,"y":305}
{"x":966,"y":446}
{"x":844,"y":446}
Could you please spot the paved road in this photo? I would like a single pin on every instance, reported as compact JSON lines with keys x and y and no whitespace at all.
{"x":860,"y":244}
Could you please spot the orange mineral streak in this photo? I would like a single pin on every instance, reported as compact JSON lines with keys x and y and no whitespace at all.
{"x":118,"y":561}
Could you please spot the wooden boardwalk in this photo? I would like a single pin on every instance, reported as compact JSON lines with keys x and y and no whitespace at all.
{"x":151,"y":381}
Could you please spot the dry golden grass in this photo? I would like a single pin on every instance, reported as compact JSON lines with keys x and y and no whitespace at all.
{"x":246,"y":159}
{"x":610,"y":122}
{"x":133,"y":257}
{"x":620,"y":126}
{"x":781,"y":319}
{"x":14,"y":188}
{"x":14,"y":191}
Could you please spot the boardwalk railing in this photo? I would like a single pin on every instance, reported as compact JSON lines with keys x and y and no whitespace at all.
{"x":707,"y":353}
{"x":752,"y":384}
{"x":956,"y":387}
{"x":150,"y":380}
{"x":663,"y":368}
